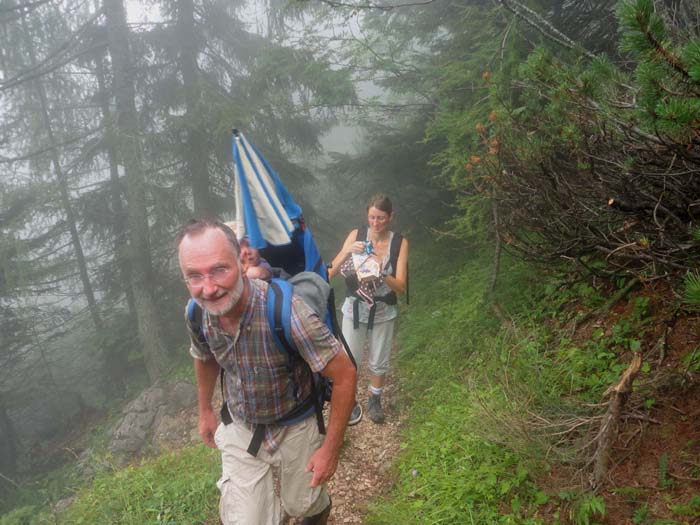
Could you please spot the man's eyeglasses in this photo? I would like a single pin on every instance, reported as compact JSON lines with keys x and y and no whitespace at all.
{"x":217,"y":275}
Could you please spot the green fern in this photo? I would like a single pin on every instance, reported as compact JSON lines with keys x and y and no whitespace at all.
{"x":691,"y":293}
{"x":664,"y":481}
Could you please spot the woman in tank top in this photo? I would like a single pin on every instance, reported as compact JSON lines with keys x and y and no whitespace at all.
{"x":374,"y":324}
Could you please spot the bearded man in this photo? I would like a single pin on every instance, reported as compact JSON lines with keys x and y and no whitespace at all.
{"x":260,"y":384}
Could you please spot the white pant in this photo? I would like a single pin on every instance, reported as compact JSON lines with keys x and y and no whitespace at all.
{"x":380,"y":337}
{"x":246,"y":485}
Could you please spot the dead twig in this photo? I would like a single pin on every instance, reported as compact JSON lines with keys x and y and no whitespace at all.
{"x":609,"y":304}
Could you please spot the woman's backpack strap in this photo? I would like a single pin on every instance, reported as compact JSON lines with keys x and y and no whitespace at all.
{"x":394,"y":251}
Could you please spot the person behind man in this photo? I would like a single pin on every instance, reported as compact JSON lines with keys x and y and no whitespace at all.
{"x":260,"y":386}
{"x":254,"y":266}
{"x":374,"y":324}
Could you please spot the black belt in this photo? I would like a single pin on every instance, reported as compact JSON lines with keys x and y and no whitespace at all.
{"x":259,"y":432}
{"x":389,"y":299}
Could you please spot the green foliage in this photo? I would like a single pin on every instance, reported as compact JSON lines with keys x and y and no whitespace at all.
{"x":692,"y":360}
{"x":641,"y":25}
{"x":641,"y":514}
{"x":551,"y":145}
{"x":690,"y":509}
{"x":149,"y":492}
{"x":588,"y":509}
{"x":447,"y":472}
{"x":665,"y":482}
{"x":691,"y":57}
{"x":691,"y":292}
{"x":470,"y":446}
{"x":19,"y":516}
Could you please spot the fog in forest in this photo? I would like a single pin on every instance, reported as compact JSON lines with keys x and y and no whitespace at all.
{"x":115,"y":131}
{"x":116,"y":127}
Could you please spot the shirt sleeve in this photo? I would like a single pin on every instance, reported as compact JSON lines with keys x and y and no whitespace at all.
{"x":199,"y":349}
{"x":316,"y":344}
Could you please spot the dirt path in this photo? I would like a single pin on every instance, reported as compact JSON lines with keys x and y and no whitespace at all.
{"x":365,"y":464}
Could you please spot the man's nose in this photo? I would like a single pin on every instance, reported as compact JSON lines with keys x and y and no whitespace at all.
{"x":208,"y":286}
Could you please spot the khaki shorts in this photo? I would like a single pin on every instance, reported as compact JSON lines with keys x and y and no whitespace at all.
{"x":246,"y":484}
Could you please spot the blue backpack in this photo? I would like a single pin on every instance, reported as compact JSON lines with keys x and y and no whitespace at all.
{"x":279,"y":304}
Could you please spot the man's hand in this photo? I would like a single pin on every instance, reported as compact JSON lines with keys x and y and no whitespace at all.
{"x":206,"y":373}
{"x":207,"y":427}
{"x":344,"y":376}
{"x":323,"y":464}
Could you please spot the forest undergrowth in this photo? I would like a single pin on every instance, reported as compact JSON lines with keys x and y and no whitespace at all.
{"x":506,"y":418}
{"x":501,"y":418}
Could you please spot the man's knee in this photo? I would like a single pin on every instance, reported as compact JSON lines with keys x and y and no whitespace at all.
{"x":315,"y":504}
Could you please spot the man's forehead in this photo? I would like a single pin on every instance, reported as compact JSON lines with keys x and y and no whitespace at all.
{"x":209,"y":240}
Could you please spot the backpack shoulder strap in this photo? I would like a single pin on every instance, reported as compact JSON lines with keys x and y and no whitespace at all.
{"x":195,"y":317}
{"x":361,"y":233}
{"x":394,"y":250}
{"x":279,"y":314}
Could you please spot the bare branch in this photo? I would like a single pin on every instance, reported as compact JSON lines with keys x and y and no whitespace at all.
{"x":543,"y":26}
{"x":374,"y":5}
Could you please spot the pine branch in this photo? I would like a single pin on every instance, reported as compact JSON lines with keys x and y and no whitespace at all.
{"x":47,"y":64}
{"x":674,"y":61}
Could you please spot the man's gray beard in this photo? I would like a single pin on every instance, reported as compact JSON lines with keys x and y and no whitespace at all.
{"x":234,"y":297}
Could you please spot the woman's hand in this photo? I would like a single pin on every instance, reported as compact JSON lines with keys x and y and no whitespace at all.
{"x":349,"y":246}
{"x":357,"y":247}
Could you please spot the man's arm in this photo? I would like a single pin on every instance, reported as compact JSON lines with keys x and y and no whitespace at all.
{"x":324,"y":461}
{"x":206,"y":373}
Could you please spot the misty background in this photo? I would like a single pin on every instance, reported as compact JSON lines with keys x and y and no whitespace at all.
{"x":115,"y":129}
{"x":536,"y":129}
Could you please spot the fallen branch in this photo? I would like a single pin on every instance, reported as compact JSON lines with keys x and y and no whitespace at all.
{"x":684,"y":478}
{"x":8,"y":480}
{"x":607,"y":306}
{"x":618,"y":396}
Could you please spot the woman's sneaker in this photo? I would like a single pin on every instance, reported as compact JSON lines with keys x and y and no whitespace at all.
{"x":374,"y":407}
{"x":355,"y":415}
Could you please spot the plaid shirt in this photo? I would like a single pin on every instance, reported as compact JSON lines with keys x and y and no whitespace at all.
{"x":261,"y":385}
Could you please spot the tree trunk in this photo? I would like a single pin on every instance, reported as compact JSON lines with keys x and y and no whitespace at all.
{"x":116,"y":191}
{"x":197,"y":146}
{"x":115,"y":359}
{"x":8,"y":441}
{"x":129,"y":151}
{"x":64,"y":195}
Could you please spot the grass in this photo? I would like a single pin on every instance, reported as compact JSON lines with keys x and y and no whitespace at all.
{"x":447,"y":471}
{"x":176,"y":488}
{"x":469,"y":451}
